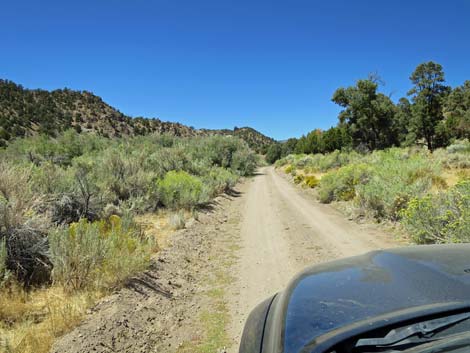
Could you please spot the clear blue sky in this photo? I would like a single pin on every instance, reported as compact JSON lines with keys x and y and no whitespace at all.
{"x":272,"y":65}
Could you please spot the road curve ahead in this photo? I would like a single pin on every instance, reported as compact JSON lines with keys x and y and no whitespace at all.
{"x":283,"y":230}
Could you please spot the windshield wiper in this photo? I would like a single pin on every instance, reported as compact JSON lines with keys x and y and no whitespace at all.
{"x":400,"y":336}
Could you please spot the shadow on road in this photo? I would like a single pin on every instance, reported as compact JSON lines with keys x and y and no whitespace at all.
{"x":147,"y":281}
{"x":233,"y":193}
{"x":255,"y":174}
{"x":210,"y":206}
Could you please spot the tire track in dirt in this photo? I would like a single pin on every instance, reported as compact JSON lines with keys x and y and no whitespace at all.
{"x":282,"y":232}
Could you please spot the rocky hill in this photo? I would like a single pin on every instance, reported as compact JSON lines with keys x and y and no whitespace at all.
{"x":25,"y":112}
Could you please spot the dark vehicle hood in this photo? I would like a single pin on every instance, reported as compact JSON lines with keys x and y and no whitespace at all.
{"x":330,"y":296}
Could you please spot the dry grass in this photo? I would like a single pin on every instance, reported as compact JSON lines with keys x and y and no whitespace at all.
{"x":159,"y":225}
{"x":30,"y":322}
{"x":453,"y":176}
{"x":449,"y":178}
{"x":177,"y":220}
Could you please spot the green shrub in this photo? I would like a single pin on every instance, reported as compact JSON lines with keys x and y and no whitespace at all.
{"x":122,"y":175}
{"x":456,"y":155}
{"x":244,"y":162}
{"x":460,"y":146}
{"x":128,"y":250}
{"x":178,"y":189}
{"x":223,"y":151}
{"x":162,"y":160}
{"x":51,"y":179}
{"x":340,"y":185}
{"x":396,"y":177}
{"x":289,"y":169}
{"x":77,"y":253}
{"x":219,"y":150}
{"x":311,"y":181}
{"x":441,"y":218}
{"x":98,"y":254}
{"x":281,"y":162}
{"x":219,"y":180}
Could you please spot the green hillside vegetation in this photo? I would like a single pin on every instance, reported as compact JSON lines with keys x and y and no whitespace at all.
{"x":26,"y":112}
{"x":67,"y":217}
{"x":433,"y":115}
{"x":255,"y":140}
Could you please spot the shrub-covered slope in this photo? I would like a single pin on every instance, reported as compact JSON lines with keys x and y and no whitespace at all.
{"x":256,"y":140}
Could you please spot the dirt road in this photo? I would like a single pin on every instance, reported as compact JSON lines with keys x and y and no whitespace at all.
{"x":198,"y":292}
{"x":282,"y":231}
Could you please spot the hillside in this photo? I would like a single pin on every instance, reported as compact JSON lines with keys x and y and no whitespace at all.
{"x":254,"y":138}
{"x":26,"y":112}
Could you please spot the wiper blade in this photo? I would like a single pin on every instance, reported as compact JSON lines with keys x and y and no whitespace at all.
{"x":397,"y":336}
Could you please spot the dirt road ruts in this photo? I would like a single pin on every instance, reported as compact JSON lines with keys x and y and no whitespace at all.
{"x":283,"y":230}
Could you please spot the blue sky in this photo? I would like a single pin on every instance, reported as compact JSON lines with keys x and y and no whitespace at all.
{"x":272,"y":65}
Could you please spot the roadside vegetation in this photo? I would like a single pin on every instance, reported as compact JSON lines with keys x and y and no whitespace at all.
{"x":70,"y":211}
{"x":407,"y":162}
{"x":427,"y":193}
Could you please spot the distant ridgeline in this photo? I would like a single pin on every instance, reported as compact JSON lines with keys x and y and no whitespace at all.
{"x":26,"y":112}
